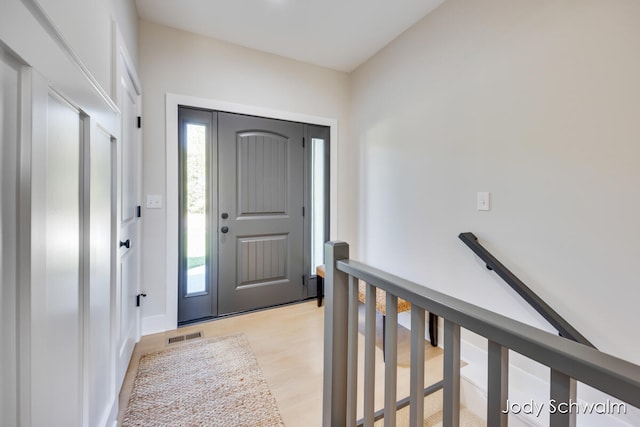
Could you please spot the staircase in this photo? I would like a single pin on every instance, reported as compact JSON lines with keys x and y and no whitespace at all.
{"x":433,"y":415}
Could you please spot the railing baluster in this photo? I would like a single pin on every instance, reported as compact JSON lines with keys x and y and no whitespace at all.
{"x":391,"y":361}
{"x":569,"y":361}
{"x":334,"y":397}
{"x":369,"y":356}
{"x":451,"y":391}
{"x":416,"y":392}
{"x":352,"y":354}
{"x":563,"y":391}
{"x":498,"y":384}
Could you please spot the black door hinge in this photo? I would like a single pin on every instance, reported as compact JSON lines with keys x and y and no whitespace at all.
{"x":303,"y":142}
{"x":138,"y":298}
{"x":303,"y":279}
{"x":139,"y":211}
{"x":139,"y":122}
{"x":303,"y":211}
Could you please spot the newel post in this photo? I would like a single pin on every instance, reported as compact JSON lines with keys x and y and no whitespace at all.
{"x":336,"y":309}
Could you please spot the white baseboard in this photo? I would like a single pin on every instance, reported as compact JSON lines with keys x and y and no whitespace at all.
{"x":153,"y":324}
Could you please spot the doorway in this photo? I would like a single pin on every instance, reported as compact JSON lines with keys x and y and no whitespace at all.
{"x":249,"y":211}
{"x":128,"y":218}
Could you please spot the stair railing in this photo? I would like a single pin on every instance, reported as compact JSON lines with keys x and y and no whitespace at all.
{"x":563,"y":327}
{"x":568,"y":361}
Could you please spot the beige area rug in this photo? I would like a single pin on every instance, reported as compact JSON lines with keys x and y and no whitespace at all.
{"x":210,"y":382}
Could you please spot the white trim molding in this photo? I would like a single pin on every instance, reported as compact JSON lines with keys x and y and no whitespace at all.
{"x":56,"y":35}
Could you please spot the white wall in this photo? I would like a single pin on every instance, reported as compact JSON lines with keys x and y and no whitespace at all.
{"x":178,"y":62}
{"x":87,"y":27}
{"x":126,"y":15}
{"x":536,"y":102}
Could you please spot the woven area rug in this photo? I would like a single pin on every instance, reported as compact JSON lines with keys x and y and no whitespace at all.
{"x":210,"y":382}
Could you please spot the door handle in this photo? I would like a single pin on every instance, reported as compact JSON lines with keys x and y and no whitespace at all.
{"x":224,"y":229}
{"x":126,"y":244}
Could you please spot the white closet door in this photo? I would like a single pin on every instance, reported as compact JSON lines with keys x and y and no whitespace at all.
{"x":129,"y":246}
{"x":56,"y":342}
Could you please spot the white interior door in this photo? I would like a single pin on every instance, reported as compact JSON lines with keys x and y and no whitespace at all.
{"x":128,"y":269}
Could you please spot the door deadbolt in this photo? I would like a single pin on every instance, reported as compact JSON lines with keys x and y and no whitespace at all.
{"x":225,"y":229}
{"x":225,"y":215}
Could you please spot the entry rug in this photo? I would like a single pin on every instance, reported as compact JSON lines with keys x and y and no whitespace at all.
{"x":210,"y":382}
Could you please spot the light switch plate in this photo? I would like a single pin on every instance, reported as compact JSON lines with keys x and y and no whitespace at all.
{"x":484,"y":201}
{"x":154,"y":201}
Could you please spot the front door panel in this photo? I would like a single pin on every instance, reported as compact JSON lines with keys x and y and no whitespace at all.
{"x":260,"y":226}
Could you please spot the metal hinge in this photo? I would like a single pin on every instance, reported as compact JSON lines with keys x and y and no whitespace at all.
{"x":139,"y":122}
{"x":303,"y":142}
{"x":139,"y":211}
{"x":303,"y":211}
{"x":303,"y":279}
{"x":138,"y":298}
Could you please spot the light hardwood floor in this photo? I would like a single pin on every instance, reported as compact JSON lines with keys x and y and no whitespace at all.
{"x":288,"y":344}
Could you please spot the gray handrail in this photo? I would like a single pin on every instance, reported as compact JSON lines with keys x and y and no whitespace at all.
{"x":607,"y":373}
{"x":568,"y":361}
{"x":563,"y":327}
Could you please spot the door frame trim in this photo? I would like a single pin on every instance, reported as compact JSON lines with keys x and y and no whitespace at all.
{"x":172,"y":101}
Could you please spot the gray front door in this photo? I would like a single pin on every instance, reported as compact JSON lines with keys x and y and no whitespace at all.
{"x":260,"y":223}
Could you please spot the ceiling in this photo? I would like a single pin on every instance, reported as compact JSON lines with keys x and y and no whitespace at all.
{"x":338,"y":34}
